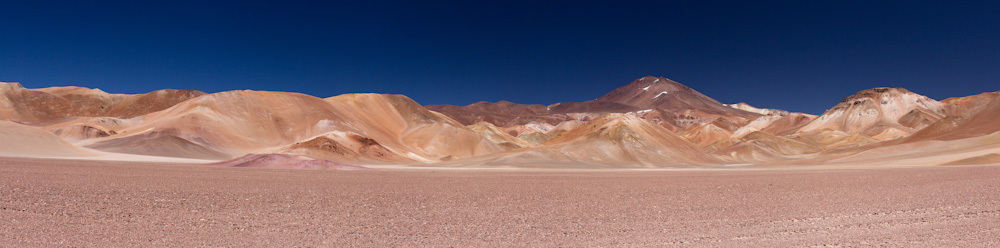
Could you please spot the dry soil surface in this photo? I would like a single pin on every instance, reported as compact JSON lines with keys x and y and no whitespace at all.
{"x":97,"y":204}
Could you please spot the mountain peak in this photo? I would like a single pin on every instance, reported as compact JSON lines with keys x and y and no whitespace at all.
{"x":662,"y":93}
{"x":871,"y":109}
{"x":876,"y":93}
{"x":658,"y":84}
{"x":644,"y":91}
{"x":887,"y":96}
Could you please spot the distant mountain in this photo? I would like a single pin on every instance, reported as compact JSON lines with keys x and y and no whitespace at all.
{"x":650,"y":122}
{"x":882,"y":113}
{"x":665,"y":94}
{"x":660,"y":100}
{"x":51,"y":104}
{"x":647,"y":93}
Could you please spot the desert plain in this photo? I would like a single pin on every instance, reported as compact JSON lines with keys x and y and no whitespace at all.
{"x":53,"y":202}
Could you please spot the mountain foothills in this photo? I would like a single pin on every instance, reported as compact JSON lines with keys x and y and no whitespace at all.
{"x":651,"y":122}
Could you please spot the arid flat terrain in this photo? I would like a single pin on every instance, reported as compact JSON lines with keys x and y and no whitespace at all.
{"x":49,"y":202}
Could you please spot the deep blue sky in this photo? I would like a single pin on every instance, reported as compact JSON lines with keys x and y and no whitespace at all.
{"x":796,"y":55}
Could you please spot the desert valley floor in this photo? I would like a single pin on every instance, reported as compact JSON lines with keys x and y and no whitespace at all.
{"x":50,"y":202}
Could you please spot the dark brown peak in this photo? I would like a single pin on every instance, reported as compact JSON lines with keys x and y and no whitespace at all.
{"x":667,"y":82}
{"x":655,"y":79}
{"x":654,"y":83}
{"x":653,"y":92}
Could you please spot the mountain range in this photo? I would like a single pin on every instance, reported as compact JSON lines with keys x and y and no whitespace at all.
{"x":649,"y":123}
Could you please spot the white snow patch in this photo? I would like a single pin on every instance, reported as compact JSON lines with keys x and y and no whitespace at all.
{"x":657,"y":80}
{"x":646,"y":88}
{"x":640,"y":112}
{"x":661,"y":93}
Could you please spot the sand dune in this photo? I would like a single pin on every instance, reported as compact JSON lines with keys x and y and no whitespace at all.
{"x":26,"y":141}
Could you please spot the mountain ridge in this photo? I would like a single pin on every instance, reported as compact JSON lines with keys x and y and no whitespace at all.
{"x":649,"y":122}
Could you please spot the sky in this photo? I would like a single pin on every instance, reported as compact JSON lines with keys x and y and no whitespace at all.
{"x":802,"y":56}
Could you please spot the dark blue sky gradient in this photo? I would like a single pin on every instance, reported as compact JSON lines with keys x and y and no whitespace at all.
{"x":795,"y":55}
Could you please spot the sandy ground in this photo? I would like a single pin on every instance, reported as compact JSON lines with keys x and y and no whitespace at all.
{"x":109,"y":203}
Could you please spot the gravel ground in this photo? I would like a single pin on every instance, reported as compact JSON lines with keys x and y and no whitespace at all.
{"x":99,"y":204}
